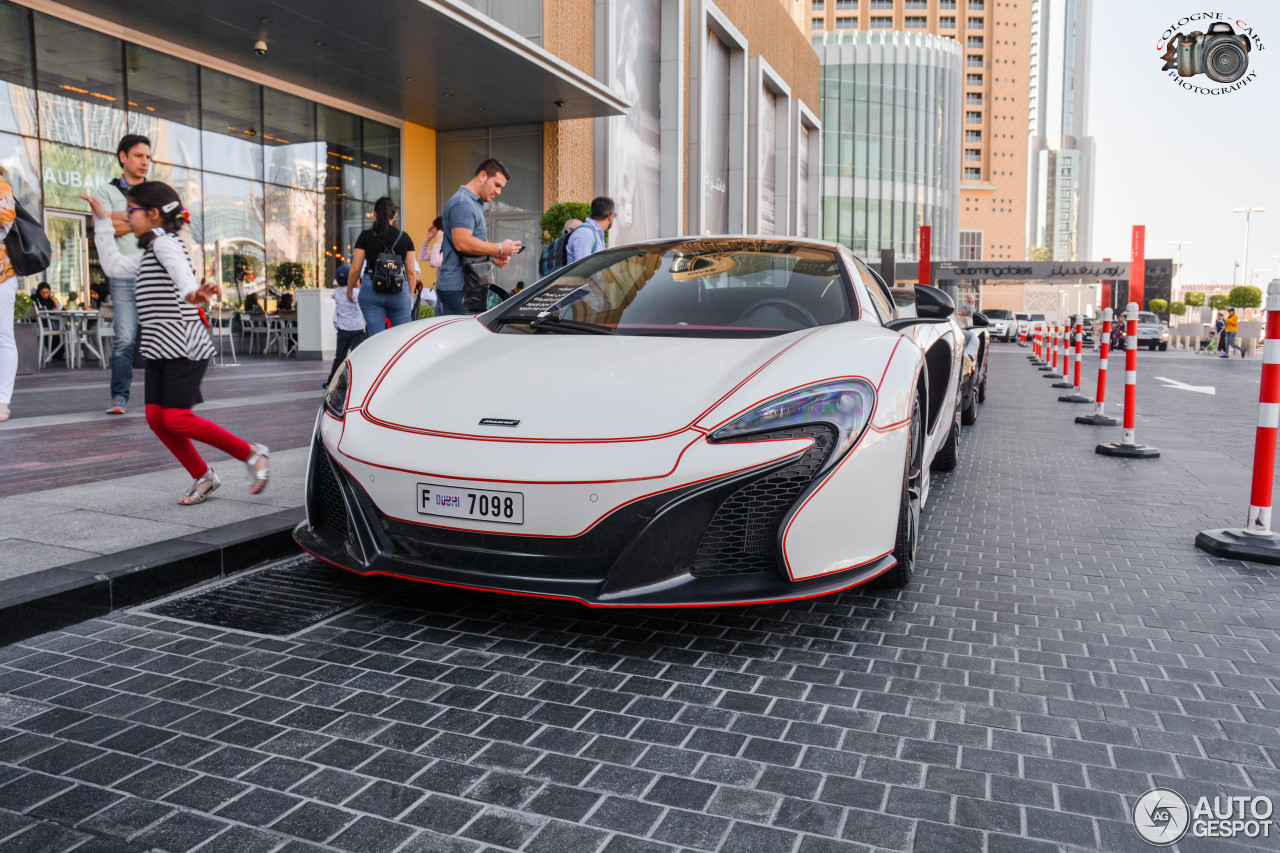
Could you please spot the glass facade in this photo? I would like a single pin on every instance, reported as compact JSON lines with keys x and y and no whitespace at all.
{"x":277,"y":186}
{"x":891,"y":141}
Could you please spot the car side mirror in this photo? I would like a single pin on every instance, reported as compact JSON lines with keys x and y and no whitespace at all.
{"x":979,"y":320}
{"x":933,"y":303}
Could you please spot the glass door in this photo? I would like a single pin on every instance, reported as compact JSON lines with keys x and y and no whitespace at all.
{"x":68,"y":269}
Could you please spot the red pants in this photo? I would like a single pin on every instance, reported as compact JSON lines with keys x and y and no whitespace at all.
{"x":177,"y":427}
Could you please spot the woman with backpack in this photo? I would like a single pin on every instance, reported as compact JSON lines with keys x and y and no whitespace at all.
{"x":172,"y":337}
{"x":8,"y":293}
{"x":385,"y":254}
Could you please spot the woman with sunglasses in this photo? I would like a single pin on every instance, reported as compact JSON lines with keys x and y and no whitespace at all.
{"x":172,"y":337}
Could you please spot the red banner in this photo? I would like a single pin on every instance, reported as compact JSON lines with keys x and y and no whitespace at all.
{"x":1104,"y":300}
{"x":923,"y":266}
{"x":1138,"y":266}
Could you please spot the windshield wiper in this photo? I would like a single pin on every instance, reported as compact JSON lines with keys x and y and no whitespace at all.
{"x":551,"y":321}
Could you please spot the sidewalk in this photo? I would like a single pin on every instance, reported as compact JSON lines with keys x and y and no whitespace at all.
{"x":89,"y":519}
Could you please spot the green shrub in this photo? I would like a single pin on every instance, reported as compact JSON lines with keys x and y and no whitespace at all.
{"x":1158,"y":306}
{"x":1245,"y":296}
{"x":1193,"y":298}
{"x":21,"y":305}
{"x":1177,"y":309}
{"x":1218,"y":301}
{"x":558,"y":214}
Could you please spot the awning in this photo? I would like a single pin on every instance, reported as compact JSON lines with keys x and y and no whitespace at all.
{"x":438,"y":63}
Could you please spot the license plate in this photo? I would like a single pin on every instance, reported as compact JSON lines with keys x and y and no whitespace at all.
{"x":474,"y":504}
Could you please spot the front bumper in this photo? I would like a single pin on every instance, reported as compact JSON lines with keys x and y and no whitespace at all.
{"x":711,"y":543}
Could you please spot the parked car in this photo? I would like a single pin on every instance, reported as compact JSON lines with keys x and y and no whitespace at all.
{"x":1031,"y":322}
{"x":695,"y":421}
{"x":1004,"y":326}
{"x":1152,"y":333}
{"x":973,"y":383}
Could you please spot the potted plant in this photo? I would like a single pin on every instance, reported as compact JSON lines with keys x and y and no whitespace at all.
{"x":26,"y":334}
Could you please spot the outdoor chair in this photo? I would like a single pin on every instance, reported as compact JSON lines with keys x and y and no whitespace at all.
{"x":53,"y":337}
{"x":253,"y":325}
{"x":287,"y":332}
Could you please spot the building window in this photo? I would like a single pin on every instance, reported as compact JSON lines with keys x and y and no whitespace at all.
{"x":974,"y":98}
{"x":819,"y":5}
{"x":973,"y":136}
{"x":846,"y":23}
{"x":881,"y":4}
{"x":846,"y":4}
{"x":972,"y":174}
{"x":916,"y":22}
{"x":974,"y":23}
{"x":917,"y":4}
{"x":973,"y":61}
{"x":973,"y":117}
{"x":975,"y":41}
{"x":975,"y":5}
{"x":819,"y":23}
{"x":882,"y":23}
{"x":973,"y":79}
{"x":970,"y":244}
{"x":973,"y":155}
{"x":947,"y":22}
{"x":946,"y":4}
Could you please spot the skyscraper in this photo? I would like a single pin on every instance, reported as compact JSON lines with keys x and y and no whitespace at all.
{"x":1061,"y":154}
{"x":995,"y":38}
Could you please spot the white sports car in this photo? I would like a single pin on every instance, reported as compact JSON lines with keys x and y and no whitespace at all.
{"x":684,"y":422}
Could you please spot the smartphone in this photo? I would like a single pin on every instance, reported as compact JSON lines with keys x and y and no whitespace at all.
{"x":522,"y":248}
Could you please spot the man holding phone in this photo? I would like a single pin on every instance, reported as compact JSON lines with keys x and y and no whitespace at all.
{"x":465,"y":233}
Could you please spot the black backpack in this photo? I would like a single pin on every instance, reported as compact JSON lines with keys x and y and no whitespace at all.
{"x":554,"y":256}
{"x":387,"y":271}
{"x":26,"y":244}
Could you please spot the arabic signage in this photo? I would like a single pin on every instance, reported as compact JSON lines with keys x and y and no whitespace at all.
{"x":1033,"y":270}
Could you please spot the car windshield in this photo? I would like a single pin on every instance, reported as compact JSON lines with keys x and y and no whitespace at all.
{"x":1147,"y":317}
{"x":998,"y":314}
{"x":1037,"y":318}
{"x":731,"y":288}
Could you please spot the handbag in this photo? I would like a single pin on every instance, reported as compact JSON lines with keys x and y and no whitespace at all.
{"x":26,"y":244}
{"x":477,"y":275}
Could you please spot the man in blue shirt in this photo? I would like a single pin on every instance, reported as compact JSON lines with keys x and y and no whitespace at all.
{"x":588,"y":238}
{"x":465,"y":232}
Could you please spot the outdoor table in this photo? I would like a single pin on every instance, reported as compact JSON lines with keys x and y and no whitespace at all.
{"x":75,"y":330}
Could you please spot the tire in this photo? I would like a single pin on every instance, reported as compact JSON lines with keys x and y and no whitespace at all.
{"x":949,"y":456}
{"x":1163,"y":347}
{"x":1152,"y":347}
{"x":969,"y":411}
{"x":982,"y":390}
{"x":907,"y":537}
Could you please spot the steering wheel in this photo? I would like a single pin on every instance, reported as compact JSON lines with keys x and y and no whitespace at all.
{"x":785,"y":303}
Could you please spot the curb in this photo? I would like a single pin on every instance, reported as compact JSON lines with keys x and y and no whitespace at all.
{"x":64,"y":595}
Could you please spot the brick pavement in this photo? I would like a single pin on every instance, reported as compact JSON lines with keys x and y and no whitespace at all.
{"x":1062,"y":649}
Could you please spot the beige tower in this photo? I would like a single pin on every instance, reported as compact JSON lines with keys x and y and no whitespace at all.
{"x":996,"y":38}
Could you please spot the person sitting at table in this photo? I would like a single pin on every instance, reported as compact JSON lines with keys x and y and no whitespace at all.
{"x":251,"y":303}
{"x":45,"y":298}
{"x":285,"y":303}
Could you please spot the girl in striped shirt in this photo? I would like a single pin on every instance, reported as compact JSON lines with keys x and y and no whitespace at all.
{"x":172,"y":337}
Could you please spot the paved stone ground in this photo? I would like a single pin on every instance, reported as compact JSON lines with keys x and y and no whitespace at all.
{"x":1062,"y":649}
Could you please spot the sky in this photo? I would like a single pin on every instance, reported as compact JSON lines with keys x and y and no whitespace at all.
{"x":1178,"y":162}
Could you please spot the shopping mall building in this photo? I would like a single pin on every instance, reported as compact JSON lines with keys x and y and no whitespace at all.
{"x":280,"y":122}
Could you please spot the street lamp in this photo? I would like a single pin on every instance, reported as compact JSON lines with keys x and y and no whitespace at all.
{"x":1178,"y":284}
{"x":1247,"y":211}
{"x":1276,"y":258}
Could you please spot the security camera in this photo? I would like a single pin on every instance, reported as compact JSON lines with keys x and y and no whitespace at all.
{"x":260,"y":47}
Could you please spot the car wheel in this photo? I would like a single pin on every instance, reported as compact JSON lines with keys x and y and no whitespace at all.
{"x":949,"y":456}
{"x":982,"y":390}
{"x":908,"y":535}
{"x":1151,"y":347}
{"x":1163,"y":347}
{"x":969,"y":411}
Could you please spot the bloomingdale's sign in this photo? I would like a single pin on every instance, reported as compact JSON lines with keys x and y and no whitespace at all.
{"x":1035,"y":270}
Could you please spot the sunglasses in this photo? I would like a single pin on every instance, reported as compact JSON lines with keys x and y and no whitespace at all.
{"x":132,"y":209}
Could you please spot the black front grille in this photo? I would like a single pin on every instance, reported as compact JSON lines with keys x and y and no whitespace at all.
{"x":331,"y":510}
{"x":742,"y":536}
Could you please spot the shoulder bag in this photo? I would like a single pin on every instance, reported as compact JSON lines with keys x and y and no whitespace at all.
{"x":26,"y":244}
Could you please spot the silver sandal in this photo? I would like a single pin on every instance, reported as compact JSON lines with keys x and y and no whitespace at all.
{"x":258,"y":477}
{"x":201,"y":489}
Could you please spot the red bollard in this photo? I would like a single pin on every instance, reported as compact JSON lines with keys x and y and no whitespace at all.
{"x":1065,"y":346}
{"x":1076,"y":396}
{"x":1051,"y":371}
{"x":1128,"y":447}
{"x":1098,"y":418}
{"x":1255,"y":541}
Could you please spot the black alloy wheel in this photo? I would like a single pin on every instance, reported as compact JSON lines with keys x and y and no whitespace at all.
{"x":908,"y":535}
{"x":949,"y":456}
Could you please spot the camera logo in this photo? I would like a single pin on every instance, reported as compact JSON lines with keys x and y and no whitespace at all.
{"x":1161,"y":816}
{"x":1220,"y":52}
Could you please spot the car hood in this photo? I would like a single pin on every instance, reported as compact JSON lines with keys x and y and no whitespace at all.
{"x":562,"y":386}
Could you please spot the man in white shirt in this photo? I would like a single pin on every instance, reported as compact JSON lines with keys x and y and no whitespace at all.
{"x":347,"y":319}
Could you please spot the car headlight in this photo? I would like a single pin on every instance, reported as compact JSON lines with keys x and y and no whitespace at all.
{"x":845,"y":404}
{"x":335,"y":397}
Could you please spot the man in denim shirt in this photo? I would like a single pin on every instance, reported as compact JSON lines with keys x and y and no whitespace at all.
{"x":465,"y":232}
{"x":588,"y":238}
